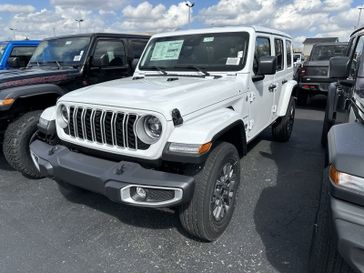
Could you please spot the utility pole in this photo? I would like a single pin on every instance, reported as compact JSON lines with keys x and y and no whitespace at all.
{"x":79,"y":21}
{"x":190,"y":5}
{"x":13,"y":30}
{"x":360,"y":9}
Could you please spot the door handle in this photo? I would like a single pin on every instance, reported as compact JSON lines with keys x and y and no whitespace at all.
{"x":284,"y":81}
{"x":272,"y":87}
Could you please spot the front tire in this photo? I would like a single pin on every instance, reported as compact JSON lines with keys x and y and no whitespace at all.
{"x":283,"y":127}
{"x":209,"y":212}
{"x":16,"y":144}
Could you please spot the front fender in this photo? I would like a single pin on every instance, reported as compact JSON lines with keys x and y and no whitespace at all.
{"x":285,"y":97}
{"x":29,"y":91}
{"x":204,"y":128}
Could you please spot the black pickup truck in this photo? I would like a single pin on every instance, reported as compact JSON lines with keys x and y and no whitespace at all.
{"x":338,"y":243}
{"x":58,"y":65}
{"x":313,"y":78}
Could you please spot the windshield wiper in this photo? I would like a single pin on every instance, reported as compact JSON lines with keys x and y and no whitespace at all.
{"x":158,"y":68}
{"x":195,"y":67}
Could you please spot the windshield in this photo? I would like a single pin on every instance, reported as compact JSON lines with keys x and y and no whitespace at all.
{"x":325,"y":52}
{"x":296,"y":57}
{"x":2,"y":50}
{"x":211,"y":51}
{"x":62,"y":51}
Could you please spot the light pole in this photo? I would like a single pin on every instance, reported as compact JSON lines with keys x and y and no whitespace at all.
{"x":190,"y":5}
{"x":79,"y":21}
{"x":13,"y":30}
{"x":360,"y":9}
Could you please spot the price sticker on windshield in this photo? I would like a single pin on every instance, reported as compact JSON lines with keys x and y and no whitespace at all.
{"x":233,"y":61}
{"x":168,"y":50}
{"x":208,"y":39}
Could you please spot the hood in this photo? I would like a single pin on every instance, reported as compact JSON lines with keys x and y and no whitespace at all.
{"x":159,"y":94}
{"x":28,"y":76}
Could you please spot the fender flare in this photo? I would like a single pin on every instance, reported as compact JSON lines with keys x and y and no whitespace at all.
{"x":286,"y":93}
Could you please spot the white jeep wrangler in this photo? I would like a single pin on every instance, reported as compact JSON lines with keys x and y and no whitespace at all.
{"x":173,"y":134}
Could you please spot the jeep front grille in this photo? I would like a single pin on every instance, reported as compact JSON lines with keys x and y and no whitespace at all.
{"x":104,"y":127}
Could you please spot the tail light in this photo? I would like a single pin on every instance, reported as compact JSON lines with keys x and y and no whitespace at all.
{"x":303,"y":71}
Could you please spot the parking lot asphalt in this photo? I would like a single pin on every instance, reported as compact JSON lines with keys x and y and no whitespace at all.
{"x":44,"y":230}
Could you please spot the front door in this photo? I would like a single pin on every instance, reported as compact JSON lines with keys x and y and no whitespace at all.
{"x":261,"y":95}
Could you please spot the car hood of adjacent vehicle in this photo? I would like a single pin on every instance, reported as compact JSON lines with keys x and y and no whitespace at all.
{"x":159,"y":93}
{"x":28,"y":76}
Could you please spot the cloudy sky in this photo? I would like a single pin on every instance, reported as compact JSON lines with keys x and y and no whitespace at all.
{"x":300,"y":18}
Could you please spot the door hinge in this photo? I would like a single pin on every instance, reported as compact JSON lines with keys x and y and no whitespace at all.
{"x":274,"y":108}
{"x":250,"y":124}
{"x":251,"y":96}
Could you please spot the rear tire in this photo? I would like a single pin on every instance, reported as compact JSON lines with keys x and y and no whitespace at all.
{"x":16,"y":144}
{"x":283,"y":127}
{"x":206,"y":216}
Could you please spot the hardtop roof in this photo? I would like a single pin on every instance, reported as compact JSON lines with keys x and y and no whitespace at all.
{"x":126,"y":35}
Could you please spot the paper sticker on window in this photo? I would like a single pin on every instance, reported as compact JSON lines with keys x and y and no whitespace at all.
{"x":81,"y":53}
{"x":233,"y":61}
{"x":77,"y":58}
{"x":240,"y":54}
{"x":168,"y":50}
{"x":68,"y":42}
{"x":208,"y":39}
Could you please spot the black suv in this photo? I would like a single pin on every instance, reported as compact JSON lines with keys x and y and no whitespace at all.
{"x":338,"y":243}
{"x":312,"y":77}
{"x":59,"y":65}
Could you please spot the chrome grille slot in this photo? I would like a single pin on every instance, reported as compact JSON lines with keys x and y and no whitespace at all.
{"x":106,"y":127}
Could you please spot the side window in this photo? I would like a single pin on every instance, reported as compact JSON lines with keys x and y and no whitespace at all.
{"x":289,"y":53}
{"x":138,"y":47}
{"x":262,"y":49}
{"x":23,"y":53}
{"x":109,"y":53}
{"x":278,"y":45}
{"x":355,"y":62}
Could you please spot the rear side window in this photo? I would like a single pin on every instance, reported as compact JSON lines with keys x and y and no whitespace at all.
{"x":262,"y":49}
{"x":137,"y":47}
{"x":355,"y":62}
{"x":22,"y":51}
{"x":289,"y":53}
{"x":278,"y":45}
{"x":109,"y":53}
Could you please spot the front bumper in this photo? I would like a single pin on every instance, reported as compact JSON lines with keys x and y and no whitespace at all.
{"x":116,"y":180}
{"x":348,"y":220}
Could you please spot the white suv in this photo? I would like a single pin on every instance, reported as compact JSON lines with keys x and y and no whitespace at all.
{"x":173,"y":134}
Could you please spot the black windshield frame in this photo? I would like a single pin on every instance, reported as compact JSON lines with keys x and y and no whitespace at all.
{"x":202,"y":43}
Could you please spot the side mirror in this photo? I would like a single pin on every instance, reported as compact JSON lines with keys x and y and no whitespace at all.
{"x":134,"y":64}
{"x":267,"y":65}
{"x":14,"y":62}
{"x":100,"y":62}
{"x":339,"y":67}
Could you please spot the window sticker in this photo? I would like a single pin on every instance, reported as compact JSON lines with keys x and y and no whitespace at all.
{"x":168,"y":50}
{"x":208,"y":39}
{"x":240,"y":54}
{"x":68,"y":42}
{"x":233,"y":61}
{"x":77,"y":58}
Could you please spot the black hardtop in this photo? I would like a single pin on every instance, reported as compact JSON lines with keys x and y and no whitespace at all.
{"x":101,"y":34}
{"x":332,"y":44}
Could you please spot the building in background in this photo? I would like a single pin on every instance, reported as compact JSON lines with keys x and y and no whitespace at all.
{"x":309,"y":42}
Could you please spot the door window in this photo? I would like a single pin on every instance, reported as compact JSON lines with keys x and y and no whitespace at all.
{"x":278,"y":45}
{"x":262,"y":49}
{"x":109,"y":53}
{"x":138,"y":47}
{"x":289,"y":53}
{"x":355,"y":62}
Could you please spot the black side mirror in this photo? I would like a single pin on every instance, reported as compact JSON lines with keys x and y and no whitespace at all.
{"x":339,"y":67}
{"x":100,"y":62}
{"x":14,"y":62}
{"x":134,"y":63}
{"x":267,"y":65}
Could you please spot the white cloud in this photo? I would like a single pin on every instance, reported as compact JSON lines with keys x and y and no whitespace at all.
{"x":16,"y":8}
{"x":147,"y":17}
{"x":90,"y":4}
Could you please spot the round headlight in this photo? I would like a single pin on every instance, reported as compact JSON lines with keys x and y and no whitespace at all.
{"x":64,"y":113}
{"x":149,"y":129}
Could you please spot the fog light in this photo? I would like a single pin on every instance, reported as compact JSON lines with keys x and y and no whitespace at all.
{"x":141,"y":193}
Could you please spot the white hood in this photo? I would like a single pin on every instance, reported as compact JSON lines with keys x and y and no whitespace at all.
{"x":159,"y":93}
